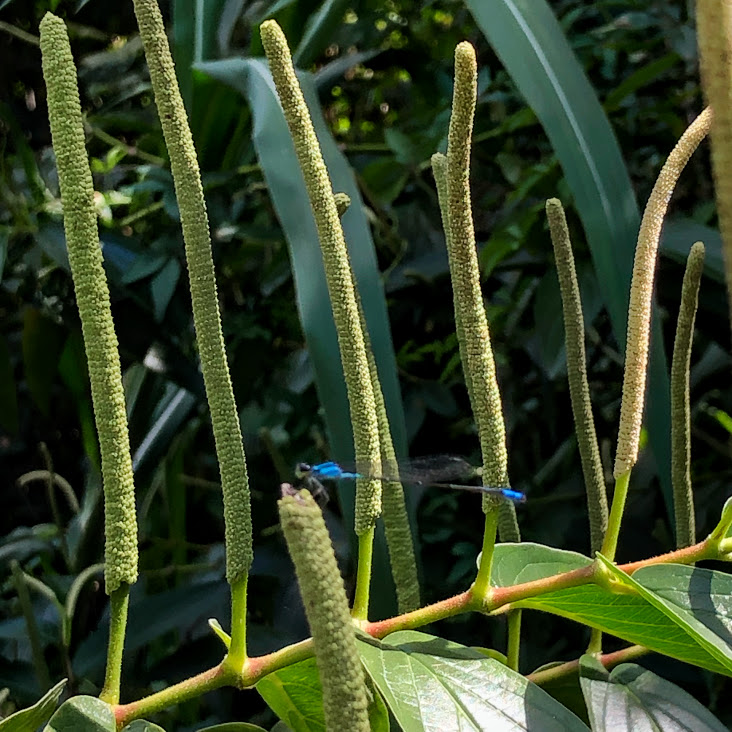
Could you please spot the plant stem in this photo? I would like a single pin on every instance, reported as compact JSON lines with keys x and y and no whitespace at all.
{"x":360,"y":609}
{"x":256,"y":668}
{"x":595,"y":644}
{"x":483,"y":578}
{"x":190,"y":688}
{"x":237,"y":656}
{"x":610,"y":545}
{"x":118,"y":605}
{"x":608,"y":660}
{"x":514,"y":639}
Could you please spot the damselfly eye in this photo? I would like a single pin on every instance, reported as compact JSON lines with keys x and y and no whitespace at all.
{"x":302,"y":469}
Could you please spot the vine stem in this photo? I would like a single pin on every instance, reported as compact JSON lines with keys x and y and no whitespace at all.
{"x":608,"y":660}
{"x":497,"y":600}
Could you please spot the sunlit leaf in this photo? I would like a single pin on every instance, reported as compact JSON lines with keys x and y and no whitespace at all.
{"x":33,"y":717}
{"x":631,"y":697}
{"x":429,"y":683}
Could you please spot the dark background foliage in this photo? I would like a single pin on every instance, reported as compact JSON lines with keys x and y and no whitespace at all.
{"x":388,"y":113}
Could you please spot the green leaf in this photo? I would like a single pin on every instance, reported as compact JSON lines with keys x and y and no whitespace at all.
{"x":514,"y":564}
{"x":162,"y":287}
{"x":626,"y":616}
{"x":83,"y":714}
{"x":431,"y":683}
{"x":529,"y":41}
{"x":698,"y":600}
{"x":142,"y":725}
{"x":8,"y":395}
{"x":27,"y":720}
{"x":144,"y":265}
{"x":633,"y":698}
{"x":295,"y":695}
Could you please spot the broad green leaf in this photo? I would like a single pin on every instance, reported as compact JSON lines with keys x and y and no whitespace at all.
{"x":83,"y":714}
{"x":430,"y":683}
{"x":630,"y":697}
{"x":529,"y":41}
{"x":514,"y":564}
{"x":275,"y":151}
{"x":27,"y":720}
{"x":626,"y":616}
{"x":142,"y":725}
{"x":295,"y":695}
{"x":698,"y":600}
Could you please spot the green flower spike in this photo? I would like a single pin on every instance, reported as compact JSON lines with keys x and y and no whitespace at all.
{"x":470,"y":311}
{"x":396,"y":520}
{"x":341,"y":674}
{"x":641,"y":290}
{"x":206,"y":315}
{"x":639,"y":316}
{"x":100,"y":341}
{"x":337,"y":271}
{"x":713,"y":23}
{"x":579,"y":388}
{"x":680,"y":406}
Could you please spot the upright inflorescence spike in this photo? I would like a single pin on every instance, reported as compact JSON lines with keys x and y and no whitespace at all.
{"x":92,"y":298}
{"x":337,"y":270}
{"x":641,"y":293}
{"x":714,"y":35}
{"x":680,"y":406}
{"x":579,"y":389}
{"x":202,"y":282}
{"x":468,"y":297}
{"x":341,"y":674}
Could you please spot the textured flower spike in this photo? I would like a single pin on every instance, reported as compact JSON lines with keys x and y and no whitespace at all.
{"x":465,"y":274}
{"x":680,"y":407}
{"x":641,"y":292}
{"x":639,"y":316}
{"x":396,"y":521}
{"x":337,"y":271}
{"x":345,"y":699}
{"x":206,"y":317}
{"x":579,"y":389}
{"x":100,"y":341}
{"x":714,"y":34}
{"x":92,"y":298}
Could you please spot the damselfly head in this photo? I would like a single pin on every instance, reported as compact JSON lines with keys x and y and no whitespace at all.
{"x":302,"y":470}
